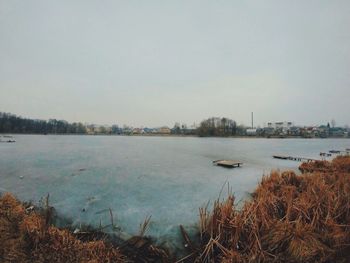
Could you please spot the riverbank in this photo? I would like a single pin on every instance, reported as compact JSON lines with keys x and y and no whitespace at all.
{"x":290,"y":218}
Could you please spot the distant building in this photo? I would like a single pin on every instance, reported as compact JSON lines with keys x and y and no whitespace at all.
{"x":280,"y":125}
{"x":148,"y":130}
{"x":137,"y":131}
{"x":96,"y":129}
{"x":127,"y":130}
{"x":268,"y":131}
{"x":164,"y":130}
{"x":338,"y":132}
{"x":280,"y":128}
{"x":309,"y":132}
{"x":294,"y":131}
{"x":251,"y":132}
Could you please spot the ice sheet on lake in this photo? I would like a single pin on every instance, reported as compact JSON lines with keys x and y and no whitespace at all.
{"x":137,"y":177}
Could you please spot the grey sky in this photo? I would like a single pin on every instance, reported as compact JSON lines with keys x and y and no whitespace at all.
{"x":157,"y":62}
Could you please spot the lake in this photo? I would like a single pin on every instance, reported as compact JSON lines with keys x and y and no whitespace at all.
{"x":167,"y":178}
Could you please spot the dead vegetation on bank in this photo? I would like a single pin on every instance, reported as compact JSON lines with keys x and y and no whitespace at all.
{"x":339,"y":164}
{"x":291,"y":218}
{"x":26,"y":235}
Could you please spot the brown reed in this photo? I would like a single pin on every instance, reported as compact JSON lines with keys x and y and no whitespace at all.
{"x":26,"y":235}
{"x":291,"y":218}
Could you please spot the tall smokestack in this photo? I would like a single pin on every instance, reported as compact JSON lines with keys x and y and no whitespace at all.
{"x":252,"y":120}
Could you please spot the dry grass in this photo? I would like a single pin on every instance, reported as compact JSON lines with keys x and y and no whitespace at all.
{"x":291,"y":218}
{"x":27,"y":236}
{"x":339,"y":164}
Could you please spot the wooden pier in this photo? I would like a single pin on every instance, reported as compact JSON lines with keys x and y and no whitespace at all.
{"x":227,"y":163}
{"x":299,"y":159}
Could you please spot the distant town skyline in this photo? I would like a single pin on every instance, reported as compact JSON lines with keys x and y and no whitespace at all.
{"x":193,"y":125}
{"x":155,"y":63}
{"x":214,"y":126}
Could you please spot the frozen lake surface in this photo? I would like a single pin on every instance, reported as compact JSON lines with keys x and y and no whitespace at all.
{"x":168,"y":178}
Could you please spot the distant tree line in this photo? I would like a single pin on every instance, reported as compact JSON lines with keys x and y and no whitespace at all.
{"x":10,"y":123}
{"x":217,"y":127}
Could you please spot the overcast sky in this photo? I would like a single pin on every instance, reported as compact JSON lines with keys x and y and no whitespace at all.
{"x":155,"y":63}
